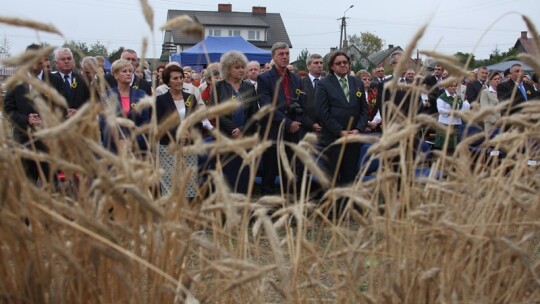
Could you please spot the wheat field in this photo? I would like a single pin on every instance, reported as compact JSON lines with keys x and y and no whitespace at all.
{"x":469,"y":235}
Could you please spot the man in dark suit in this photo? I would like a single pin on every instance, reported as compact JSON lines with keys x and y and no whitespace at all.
{"x":309,"y":120}
{"x":20,"y":109}
{"x":434,"y":90}
{"x":287,"y":112}
{"x":343,"y":112}
{"x":76,"y":89}
{"x":378,"y":74}
{"x":402,"y":98}
{"x":472,"y":93}
{"x":515,"y":89}
{"x":136,"y":82}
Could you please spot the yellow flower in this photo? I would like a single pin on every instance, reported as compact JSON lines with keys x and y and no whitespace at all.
{"x":135,"y":86}
{"x":298,"y":92}
{"x":233,"y":98}
{"x":358,"y":94}
{"x":133,"y":105}
{"x":188,"y":101}
{"x":74,"y":84}
{"x":528,"y":92}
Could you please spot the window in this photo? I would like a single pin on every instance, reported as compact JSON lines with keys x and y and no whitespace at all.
{"x":254,"y":35}
{"x":234,"y":33}
{"x":214,"y":32}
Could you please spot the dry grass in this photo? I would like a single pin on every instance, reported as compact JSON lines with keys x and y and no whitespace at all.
{"x":471,"y":237}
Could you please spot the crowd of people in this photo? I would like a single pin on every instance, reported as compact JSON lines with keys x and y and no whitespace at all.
{"x":330,"y":105}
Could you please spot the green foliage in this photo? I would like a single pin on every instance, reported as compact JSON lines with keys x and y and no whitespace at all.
{"x":497,"y":56}
{"x":367,"y":43}
{"x":300,"y":63}
{"x":82,"y":49}
{"x":464,"y":57}
{"x":115,"y":55}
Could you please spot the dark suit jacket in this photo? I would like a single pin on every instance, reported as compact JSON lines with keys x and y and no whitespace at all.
{"x":434,"y":91}
{"x":165,"y":107}
{"x":139,"y":118}
{"x":224,"y":91}
{"x":308,"y":104}
{"x":505,"y":90}
{"x":266,"y":86}
{"x":78,"y":93}
{"x":17,"y":106}
{"x":472,"y":93}
{"x":403,"y":98}
{"x":138,"y":83}
{"x":335,"y":112}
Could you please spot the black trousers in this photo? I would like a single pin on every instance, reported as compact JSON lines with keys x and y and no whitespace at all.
{"x":347,"y":168}
{"x":270,"y":167}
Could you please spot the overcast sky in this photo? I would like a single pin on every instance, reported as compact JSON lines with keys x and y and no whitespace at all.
{"x":454,"y":25}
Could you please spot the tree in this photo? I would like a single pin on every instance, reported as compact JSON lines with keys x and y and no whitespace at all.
{"x":464,"y":57}
{"x":367,"y":43}
{"x":97,"y":49}
{"x":497,"y":56}
{"x":115,"y":55}
{"x":300,"y":63}
{"x":81,"y":49}
{"x":5,"y":46}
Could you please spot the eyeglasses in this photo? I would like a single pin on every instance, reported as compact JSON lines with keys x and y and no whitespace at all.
{"x":344,"y":62}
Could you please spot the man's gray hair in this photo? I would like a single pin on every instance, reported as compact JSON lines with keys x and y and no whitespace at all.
{"x":128,"y":51}
{"x":254,"y":62}
{"x":279,"y":46}
{"x":61,"y":50}
{"x":311,"y":57}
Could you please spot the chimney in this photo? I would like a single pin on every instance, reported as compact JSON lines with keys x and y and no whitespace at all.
{"x":524,"y":34}
{"x":259,"y":10}
{"x":390,"y":46}
{"x":224,"y":8}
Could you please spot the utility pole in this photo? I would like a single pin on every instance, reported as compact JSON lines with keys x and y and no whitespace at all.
{"x":342,"y":39}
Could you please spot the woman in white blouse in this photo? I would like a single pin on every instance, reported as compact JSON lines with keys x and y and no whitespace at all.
{"x":448,"y":105}
{"x":488,"y":98}
{"x":173,"y":107}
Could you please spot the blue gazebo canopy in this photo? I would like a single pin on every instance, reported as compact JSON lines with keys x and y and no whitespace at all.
{"x":217,"y":46}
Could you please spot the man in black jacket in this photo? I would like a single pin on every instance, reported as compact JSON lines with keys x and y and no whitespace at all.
{"x":136,"y":82}
{"x":309,"y":120}
{"x":474,"y":88}
{"x":515,"y":89}
{"x":76,"y":89}
{"x":20,"y":109}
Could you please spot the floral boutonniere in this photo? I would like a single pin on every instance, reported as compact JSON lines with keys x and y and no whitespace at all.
{"x":188,"y":101}
{"x":373,"y":102}
{"x":74,"y":84}
{"x":135,"y":86}
{"x":358,"y":94}
{"x":299,"y":92}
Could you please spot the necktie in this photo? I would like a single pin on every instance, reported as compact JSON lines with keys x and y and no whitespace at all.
{"x":345,"y":87}
{"x":315,"y":82}
{"x":67,"y":86}
{"x":522,"y":89}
